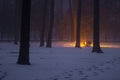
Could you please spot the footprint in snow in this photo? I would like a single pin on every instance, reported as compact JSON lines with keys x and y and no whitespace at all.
{"x":84,"y":78}
{"x":4,"y":74}
{"x":55,"y":79}
{"x":71,"y":71}
{"x":95,"y":73}
{"x":81,"y":72}
{"x":76,"y":69}
{"x":107,"y":68}
{"x":89,"y":69}
{"x":102,"y":64}
{"x":57,"y":75}
{"x":37,"y":79}
{"x":67,"y":77}
{"x":95,"y":67}
{"x":108,"y":62}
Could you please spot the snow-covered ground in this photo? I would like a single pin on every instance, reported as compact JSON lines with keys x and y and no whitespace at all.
{"x":60,"y":63}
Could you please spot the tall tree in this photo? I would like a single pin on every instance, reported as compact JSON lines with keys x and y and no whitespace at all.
{"x":25,"y":33}
{"x":42,"y":35}
{"x":96,"y":41}
{"x":49,"y":39}
{"x":59,"y":20}
{"x":78,"y":24}
{"x":18,"y":6}
{"x":71,"y":20}
{"x":1,"y":19}
{"x":74,"y":4}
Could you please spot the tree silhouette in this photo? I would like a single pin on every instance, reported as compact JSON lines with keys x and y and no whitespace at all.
{"x":17,"y":20}
{"x":25,"y":33}
{"x":96,"y":41}
{"x":78,"y":24}
{"x":71,"y":20}
{"x":49,"y":39}
{"x":44,"y":23}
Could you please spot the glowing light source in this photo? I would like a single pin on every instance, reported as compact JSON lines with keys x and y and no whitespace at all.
{"x":83,"y":44}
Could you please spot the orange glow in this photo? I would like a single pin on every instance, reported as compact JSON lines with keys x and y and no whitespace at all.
{"x":72,"y":44}
{"x":83,"y":43}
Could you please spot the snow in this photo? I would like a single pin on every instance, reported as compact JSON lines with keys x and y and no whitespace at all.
{"x":60,"y":63}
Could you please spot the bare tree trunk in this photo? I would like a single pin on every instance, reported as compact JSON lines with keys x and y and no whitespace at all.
{"x":23,"y":58}
{"x":49,"y":40}
{"x":78,"y":24}
{"x":44,"y":23}
{"x":18,"y":7}
{"x":58,"y":20}
{"x":71,"y":17}
{"x":96,"y":42}
{"x":74,"y":3}
{"x":1,"y":17}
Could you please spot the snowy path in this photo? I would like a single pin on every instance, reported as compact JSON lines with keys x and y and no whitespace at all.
{"x":60,"y":64}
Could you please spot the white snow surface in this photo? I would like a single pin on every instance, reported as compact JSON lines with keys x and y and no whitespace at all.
{"x":60,"y":63}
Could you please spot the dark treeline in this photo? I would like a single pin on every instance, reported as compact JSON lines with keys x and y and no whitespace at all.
{"x":64,"y":20}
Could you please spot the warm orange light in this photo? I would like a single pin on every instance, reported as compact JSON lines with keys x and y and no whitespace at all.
{"x":72,"y":44}
{"x":83,"y":43}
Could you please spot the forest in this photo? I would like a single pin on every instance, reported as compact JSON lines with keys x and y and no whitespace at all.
{"x":59,"y":39}
{"x":65,"y":14}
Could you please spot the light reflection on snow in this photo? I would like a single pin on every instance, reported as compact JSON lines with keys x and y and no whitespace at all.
{"x":72,"y":44}
{"x":110,"y":45}
{"x":66,"y":44}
